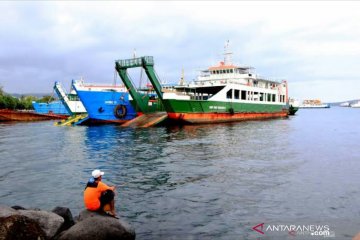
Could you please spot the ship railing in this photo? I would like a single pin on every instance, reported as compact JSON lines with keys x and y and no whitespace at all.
{"x":102,"y":85}
{"x":136,"y":62}
{"x":230,"y":81}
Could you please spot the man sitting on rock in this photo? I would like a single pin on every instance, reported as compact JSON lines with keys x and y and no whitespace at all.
{"x":98,"y":196}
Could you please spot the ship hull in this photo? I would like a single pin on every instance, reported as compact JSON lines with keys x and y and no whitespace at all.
{"x":107,"y":106}
{"x":193,"y":112}
{"x":55,"y":107}
{"x":293,"y":110}
{"x":12,"y":115}
{"x":195,"y":118}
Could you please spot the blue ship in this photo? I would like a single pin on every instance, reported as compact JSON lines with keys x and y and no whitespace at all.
{"x":55,"y":107}
{"x":105,"y":104}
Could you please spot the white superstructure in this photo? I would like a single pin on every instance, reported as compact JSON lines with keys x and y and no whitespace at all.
{"x":227,"y":82}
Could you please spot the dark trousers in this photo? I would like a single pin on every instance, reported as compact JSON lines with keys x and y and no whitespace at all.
{"x":106,"y":198}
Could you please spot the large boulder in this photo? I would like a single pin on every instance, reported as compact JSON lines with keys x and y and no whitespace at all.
{"x":93,"y":225}
{"x":65,"y":213}
{"x":16,"y":227}
{"x":48,"y":221}
{"x":7,"y":211}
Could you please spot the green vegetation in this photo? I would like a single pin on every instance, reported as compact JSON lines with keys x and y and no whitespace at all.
{"x":46,"y":99}
{"x":24,"y":102}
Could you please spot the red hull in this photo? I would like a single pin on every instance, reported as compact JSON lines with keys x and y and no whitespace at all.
{"x":13,"y":115}
{"x":223,"y":117}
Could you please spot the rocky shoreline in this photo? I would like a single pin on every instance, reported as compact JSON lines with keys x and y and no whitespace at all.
{"x":35,"y":224}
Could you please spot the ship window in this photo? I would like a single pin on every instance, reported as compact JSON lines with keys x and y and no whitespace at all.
{"x":243,"y":95}
{"x":217,"y":71}
{"x":269,"y":97}
{"x":231,"y":70}
{"x":229,"y":94}
{"x":273,"y":97}
{"x":261,"y":96}
{"x":237,"y":94}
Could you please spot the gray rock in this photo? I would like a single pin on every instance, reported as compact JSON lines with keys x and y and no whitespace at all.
{"x":16,"y":227}
{"x":65,"y":213}
{"x":89,"y":214}
{"x":7,"y":211}
{"x":93,"y":225}
{"x":48,"y":221}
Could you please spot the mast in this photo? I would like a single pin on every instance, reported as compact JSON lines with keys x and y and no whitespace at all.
{"x":227,"y":54}
{"x":182,"y":79}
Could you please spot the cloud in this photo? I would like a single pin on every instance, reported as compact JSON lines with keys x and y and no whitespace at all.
{"x":302,"y":41}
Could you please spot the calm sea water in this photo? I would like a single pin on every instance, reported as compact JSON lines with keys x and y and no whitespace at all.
{"x":197,"y":182}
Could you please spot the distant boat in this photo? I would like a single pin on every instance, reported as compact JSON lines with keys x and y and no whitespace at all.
{"x":355,"y":105}
{"x":313,"y":104}
{"x":345,"y":104}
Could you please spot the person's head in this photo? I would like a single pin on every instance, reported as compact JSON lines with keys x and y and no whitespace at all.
{"x":97,"y":174}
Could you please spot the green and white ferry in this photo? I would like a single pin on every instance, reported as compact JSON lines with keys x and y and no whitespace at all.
{"x":221,"y":93}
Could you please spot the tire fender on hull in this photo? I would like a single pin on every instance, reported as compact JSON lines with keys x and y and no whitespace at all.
{"x":120,"y":111}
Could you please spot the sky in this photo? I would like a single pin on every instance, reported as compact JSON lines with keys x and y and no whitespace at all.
{"x":314,"y":45}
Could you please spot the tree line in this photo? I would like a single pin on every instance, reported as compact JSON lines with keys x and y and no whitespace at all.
{"x":22,"y":103}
